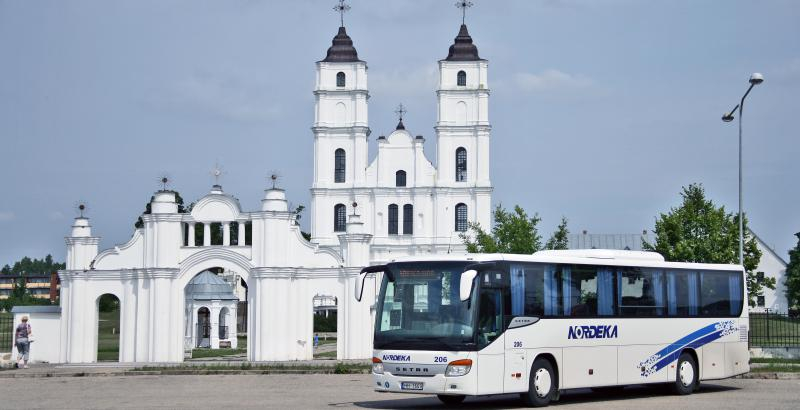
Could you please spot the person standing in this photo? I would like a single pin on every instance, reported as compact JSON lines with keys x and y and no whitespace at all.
{"x":22,"y":339}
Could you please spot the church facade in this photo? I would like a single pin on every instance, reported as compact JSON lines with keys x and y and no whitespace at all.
{"x":407,"y":204}
{"x":363,"y":212}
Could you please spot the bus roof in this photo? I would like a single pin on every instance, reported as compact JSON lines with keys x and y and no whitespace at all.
{"x":609,"y":257}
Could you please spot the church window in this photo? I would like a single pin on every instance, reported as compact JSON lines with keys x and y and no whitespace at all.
{"x":339,"y":166}
{"x":461,"y":218}
{"x":462,"y":78}
{"x":393,"y":219}
{"x":340,"y":79}
{"x":408,"y":219}
{"x":461,"y":164}
{"x":339,"y":218}
{"x":248,"y":233}
{"x":400,"y":178}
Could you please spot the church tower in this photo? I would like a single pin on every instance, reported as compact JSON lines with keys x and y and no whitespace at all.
{"x":340,"y":137}
{"x":462,"y":128}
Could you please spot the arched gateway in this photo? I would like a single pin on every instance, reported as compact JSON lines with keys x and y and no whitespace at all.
{"x":264,"y":249}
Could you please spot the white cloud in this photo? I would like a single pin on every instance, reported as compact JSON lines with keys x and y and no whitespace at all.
{"x":551,"y":79}
{"x":6,"y":216}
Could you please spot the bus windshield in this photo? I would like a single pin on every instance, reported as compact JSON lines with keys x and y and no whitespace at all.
{"x":420,"y":309}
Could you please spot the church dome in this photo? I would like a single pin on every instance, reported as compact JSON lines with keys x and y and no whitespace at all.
{"x":463,"y":49}
{"x":208,"y":286}
{"x":342,"y":50}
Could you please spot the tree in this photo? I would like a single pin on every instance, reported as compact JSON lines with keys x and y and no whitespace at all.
{"x":560,"y":238}
{"x":513,"y":232}
{"x":699,"y":231}
{"x":298,"y":213}
{"x":33,"y":266}
{"x":793,"y":276}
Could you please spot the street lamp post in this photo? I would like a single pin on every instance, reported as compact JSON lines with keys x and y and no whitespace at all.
{"x":755,"y":79}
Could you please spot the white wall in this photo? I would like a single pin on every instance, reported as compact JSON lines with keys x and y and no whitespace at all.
{"x":46,"y":331}
{"x":773,"y":267}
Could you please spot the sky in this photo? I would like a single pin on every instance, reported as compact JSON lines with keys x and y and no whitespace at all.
{"x":601,"y":110}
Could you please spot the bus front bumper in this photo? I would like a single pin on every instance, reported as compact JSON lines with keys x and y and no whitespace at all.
{"x":436,"y":384}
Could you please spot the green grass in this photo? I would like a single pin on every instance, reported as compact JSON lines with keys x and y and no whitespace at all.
{"x":203,"y":352}
{"x":326,"y":355}
{"x":777,"y":368}
{"x":774,"y":360}
{"x":339,"y":368}
{"x":775,"y":331}
{"x":108,"y":342}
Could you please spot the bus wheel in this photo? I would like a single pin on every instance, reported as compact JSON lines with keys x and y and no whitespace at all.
{"x":450,"y":400}
{"x":686,"y":377}
{"x":542,"y":386}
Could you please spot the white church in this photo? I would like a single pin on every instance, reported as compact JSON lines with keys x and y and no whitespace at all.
{"x":363,"y":211}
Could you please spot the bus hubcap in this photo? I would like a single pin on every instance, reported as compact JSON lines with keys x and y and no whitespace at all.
{"x":542,"y":382}
{"x":686,"y":373}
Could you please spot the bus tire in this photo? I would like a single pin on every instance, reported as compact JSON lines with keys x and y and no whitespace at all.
{"x":450,"y":400}
{"x":686,"y":375}
{"x":543,"y":384}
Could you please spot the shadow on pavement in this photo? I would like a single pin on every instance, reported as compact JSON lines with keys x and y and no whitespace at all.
{"x":506,"y":401}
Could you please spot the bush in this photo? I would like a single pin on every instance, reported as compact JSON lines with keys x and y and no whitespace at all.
{"x":325,"y":324}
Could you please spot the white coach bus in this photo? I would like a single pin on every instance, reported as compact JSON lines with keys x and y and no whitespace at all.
{"x":539,"y":324}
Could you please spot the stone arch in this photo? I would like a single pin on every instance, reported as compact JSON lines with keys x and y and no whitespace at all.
{"x":107,"y":326}
{"x":328,"y":286}
{"x":214,"y":259}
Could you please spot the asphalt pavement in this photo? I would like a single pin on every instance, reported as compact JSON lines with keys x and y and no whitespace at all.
{"x":351,"y":391}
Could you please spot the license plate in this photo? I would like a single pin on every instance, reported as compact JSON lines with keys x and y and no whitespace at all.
{"x":411,"y":385}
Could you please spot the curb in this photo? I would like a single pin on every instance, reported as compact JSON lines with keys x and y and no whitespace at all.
{"x":770,"y":376}
{"x":198,"y":372}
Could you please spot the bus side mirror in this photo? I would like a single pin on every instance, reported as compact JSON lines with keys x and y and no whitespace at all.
{"x":465,"y":287}
{"x":360,"y":285}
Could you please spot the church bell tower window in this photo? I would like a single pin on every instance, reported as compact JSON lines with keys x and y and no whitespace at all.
{"x":339,"y":159}
{"x":339,"y":218}
{"x":461,"y":218}
{"x":461,"y":164}
{"x":461,"y":78}
{"x":340,"y":79}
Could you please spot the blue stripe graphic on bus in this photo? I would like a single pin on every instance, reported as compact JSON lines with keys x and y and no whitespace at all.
{"x":698,"y":338}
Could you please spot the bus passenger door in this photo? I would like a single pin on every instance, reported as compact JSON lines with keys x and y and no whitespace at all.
{"x":516,"y":369}
{"x":491,"y":357}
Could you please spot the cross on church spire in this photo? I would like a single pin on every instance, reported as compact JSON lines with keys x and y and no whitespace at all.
{"x":464,"y":5}
{"x":341,"y":8}
{"x":400,"y":111}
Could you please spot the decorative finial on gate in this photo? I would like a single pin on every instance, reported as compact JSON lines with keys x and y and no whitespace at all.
{"x":217,"y":172}
{"x":164,"y":180}
{"x":81,"y":206}
{"x":274,"y":177}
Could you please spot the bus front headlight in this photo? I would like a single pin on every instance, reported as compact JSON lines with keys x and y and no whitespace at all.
{"x":458,"y":368}
{"x":377,"y":366}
